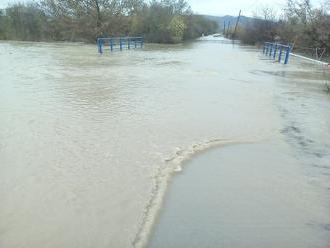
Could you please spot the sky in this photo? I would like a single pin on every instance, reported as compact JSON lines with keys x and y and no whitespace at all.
{"x":220,"y":7}
{"x":232,"y":7}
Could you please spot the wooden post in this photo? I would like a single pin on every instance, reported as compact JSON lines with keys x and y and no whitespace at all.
{"x":228,"y":28}
{"x":120,"y":44}
{"x":224,"y":28}
{"x":236,"y":25}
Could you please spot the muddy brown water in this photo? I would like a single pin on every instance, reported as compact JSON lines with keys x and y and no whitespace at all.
{"x":88,"y":143}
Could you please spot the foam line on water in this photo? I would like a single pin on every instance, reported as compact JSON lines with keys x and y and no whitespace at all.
{"x":174,"y":164}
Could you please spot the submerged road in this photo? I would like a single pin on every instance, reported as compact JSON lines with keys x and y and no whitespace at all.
{"x":89,"y":144}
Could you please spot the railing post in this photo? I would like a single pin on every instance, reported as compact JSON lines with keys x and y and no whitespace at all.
{"x":275,"y":51}
{"x":287,"y":55}
{"x":280,"y":54}
{"x":271,"y":49}
{"x":99,"y":45}
{"x":118,"y":41}
{"x":263,"y":51}
{"x":111,"y":45}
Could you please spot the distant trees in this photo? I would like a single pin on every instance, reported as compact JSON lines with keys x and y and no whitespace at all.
{"x":262,"y":28}
{"x":3,"y":25}
{"x":163,"y":21}
{"x":197,"y":25}
{"x":301,"y":24}
{"x":305,"y":26}
{"x":22,"y":22}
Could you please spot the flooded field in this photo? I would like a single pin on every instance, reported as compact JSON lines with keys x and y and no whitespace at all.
{"x":88,"y":143}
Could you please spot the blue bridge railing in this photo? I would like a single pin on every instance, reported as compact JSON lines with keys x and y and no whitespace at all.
{"x":277,"y":51}
{"x":119,"y":43}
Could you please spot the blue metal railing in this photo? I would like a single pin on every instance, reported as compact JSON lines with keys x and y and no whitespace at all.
{"x":276,"y":51}
{"x":119,"y":42}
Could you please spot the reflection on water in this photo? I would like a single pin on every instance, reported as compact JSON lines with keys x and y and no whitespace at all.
{"x":85,"y":139}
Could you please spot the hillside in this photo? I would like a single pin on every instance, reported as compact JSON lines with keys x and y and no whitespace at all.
{"x":232,"y":19}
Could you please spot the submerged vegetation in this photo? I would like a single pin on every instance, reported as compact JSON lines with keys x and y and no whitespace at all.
{"x":301,"y":24}
{"x":161,"y":21}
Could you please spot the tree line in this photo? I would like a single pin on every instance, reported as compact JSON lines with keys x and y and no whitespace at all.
{"x":160,"y":21}
{"x":301,"y":24}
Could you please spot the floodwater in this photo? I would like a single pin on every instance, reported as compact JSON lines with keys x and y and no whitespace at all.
{"x":243,"y":196}
{"x":88,"y":143}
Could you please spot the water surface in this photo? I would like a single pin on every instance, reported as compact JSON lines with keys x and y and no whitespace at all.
{"x":88,"y":142}
{"x":248,"y":195}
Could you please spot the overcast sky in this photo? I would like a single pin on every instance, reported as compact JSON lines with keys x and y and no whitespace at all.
{"x":232,"y":7}
{"x":220,"y":7}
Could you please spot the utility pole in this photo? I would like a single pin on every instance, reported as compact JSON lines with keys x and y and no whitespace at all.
{"x":224,"y":28}
{"x":237,"y":21}
{"x":228,"y":28}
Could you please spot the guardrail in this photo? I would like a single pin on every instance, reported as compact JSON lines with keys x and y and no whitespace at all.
{"x":276,"y":51}
{"x":120,"y":43}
